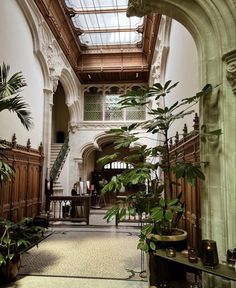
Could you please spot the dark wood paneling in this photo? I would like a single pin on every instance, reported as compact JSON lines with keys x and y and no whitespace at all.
{"x":22,"y":197}
{"x":188,"y":149}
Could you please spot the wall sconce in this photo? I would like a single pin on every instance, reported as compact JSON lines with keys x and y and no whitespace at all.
{"x":209,"y":253}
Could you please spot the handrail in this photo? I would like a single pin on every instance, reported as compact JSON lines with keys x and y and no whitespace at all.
{"x":60,"y":160}
{"x":69,"y":208}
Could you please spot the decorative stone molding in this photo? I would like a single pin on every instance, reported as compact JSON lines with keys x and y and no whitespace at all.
{"x":100,"y":126}
{"x":54,"y":79}
{"x":230,"y":60}
{"x":158,"y":67}
{"x":49,"y":96}
{"x":73,"y":127}
{"x":139,"y":8}
{"x":52,"y":54}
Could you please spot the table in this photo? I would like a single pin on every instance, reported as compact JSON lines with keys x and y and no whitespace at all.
{"x":221,"y":270}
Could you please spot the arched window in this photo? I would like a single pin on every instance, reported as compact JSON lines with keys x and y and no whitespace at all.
{"x":118,"y":165}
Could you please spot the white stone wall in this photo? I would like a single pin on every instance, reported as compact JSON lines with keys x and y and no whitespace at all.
{"x":182,"y":67}
{"x":16,"y":49}
{"x":28,"y":45}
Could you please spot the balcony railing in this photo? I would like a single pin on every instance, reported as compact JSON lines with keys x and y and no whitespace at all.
{"x":69,"y":208}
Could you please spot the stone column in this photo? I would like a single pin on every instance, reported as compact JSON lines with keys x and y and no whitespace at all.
{"x":230,"y":134}
{"x":230,"y":61}
{"x":47,"y":127}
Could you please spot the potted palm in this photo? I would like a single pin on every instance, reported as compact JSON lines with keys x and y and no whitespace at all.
{"x":152,"y":165}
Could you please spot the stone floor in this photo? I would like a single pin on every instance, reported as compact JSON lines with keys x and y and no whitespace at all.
{"x":68,"y":278}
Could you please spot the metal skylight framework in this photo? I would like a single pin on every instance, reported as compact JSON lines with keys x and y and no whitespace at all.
{"x":104,"y":23}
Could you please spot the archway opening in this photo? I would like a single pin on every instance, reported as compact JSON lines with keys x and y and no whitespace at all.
{"x":60,"y":116}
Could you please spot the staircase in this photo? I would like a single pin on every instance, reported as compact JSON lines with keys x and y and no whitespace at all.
{"x":55,"y":149}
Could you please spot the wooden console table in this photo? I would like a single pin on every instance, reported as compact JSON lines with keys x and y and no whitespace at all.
{"x":221,"y":270}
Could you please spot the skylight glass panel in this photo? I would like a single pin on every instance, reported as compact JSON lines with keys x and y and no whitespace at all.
{"x":95,"y":4}
{"x":105,"y":20}
{"x":112,"y":38}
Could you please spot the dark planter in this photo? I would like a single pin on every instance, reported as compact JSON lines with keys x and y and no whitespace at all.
{"x":162,"y":270}
{"x":10,"y":271}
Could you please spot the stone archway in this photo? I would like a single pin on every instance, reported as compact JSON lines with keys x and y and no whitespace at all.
{"x":212,"y":25}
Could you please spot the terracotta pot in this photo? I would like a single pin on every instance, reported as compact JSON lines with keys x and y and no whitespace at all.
{"x":9,"y":271}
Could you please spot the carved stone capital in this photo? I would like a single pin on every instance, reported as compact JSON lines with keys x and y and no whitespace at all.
{"x":139,"y":8}
{"x":54,"y":79}
{"x":230,"y":60}
{"x":73,"y":126}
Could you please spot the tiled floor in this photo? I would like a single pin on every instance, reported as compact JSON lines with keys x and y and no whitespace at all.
{"x":63,"y":282}
{"x":98,"y":234}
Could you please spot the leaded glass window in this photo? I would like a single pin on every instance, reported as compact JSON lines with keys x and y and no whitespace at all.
{"x":104,"y":106}
{"x":93,"y":105}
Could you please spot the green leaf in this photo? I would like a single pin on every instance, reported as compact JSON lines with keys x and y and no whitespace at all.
{"x":2,"y":260}
{"x":23,"y":242}
{"x":167,"y":84}
{"x":152,"y":245}
{"x":11,"y":256}
{"x":173,"y":202}
{"x":143,"y":246}
{"x":147,"y":229}
{"x":157,"y":214}
{"x":162,"y":202}
{"x":169,"y":215}
{"x":107,"y":159}
{"x":158,"y":86}
{"x":122,"y":214}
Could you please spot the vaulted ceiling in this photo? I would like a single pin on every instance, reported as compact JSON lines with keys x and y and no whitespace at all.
{"x":101,"y":44}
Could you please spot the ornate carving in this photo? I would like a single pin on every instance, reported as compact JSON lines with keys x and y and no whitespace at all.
{"x":156,"y":67}
{"x":231,"y":73}
{"x":139,"y":8}
{"x":73,"y":126}
{"x":230,"y":60}
{"x":161,"y":50}
{"x":52,"y":54}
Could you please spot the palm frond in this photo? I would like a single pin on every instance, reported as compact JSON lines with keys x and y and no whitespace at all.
{"x":9,"y":87}
{"x":16,"y":104}
{"x":7,"y":172}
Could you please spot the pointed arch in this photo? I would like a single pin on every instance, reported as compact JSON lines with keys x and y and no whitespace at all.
{"x":72,"y":94}
{"x":212,"y":25}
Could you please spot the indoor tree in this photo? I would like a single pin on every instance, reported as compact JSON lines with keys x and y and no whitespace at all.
{"x":153,"y":166}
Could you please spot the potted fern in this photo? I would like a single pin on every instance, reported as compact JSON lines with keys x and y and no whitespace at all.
{"x":152,"y":165}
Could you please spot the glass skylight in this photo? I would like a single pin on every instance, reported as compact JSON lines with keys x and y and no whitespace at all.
{"x":104,"y":22}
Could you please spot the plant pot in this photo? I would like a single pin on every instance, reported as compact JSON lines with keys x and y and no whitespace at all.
{"x":10,"y":271}
{"x":162,"y":270}
{"x":177,"y":235}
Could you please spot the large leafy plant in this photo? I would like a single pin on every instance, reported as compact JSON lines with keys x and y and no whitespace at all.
{"x":15,"y":237}
{"x":10,"y":99}
{"x":152,"y":165}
